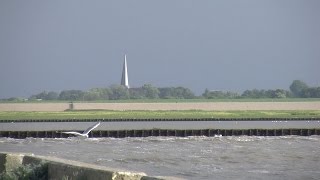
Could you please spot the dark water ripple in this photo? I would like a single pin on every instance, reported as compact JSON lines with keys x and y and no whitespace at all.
{"x":235,"y":157}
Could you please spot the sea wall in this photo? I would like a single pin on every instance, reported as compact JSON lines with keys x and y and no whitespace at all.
{"x":159,"y":119}
{"x":66,"y":169}
{"x":165,"y":132}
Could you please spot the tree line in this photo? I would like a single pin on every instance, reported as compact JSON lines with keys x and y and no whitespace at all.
{"x":253,"y":94}
{"x":298,"y":89}
{"x":117,"y":92}
{"x":302,"y":90}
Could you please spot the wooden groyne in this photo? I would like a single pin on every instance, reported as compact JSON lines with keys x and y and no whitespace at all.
{"x":155,"y":119}
{"x":166,"y":132}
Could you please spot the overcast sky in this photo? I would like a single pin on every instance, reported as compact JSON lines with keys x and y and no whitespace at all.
{"x":220,"y":45}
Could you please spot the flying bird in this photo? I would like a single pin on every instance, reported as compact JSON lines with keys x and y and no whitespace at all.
{"x":85,"y":133}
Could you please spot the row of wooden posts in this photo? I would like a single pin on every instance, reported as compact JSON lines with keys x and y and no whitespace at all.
{"x":166,"y":132}
{"x":185,"y":119}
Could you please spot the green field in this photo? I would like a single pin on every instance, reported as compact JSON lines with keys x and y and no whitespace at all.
{"x":189,"y":114}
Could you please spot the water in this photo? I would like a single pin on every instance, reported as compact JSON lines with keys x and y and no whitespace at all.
{"x":234,"y":157}
{"x":48,"y":126}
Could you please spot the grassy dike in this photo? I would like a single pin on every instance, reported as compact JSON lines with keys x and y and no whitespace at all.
{"x":185,"y":114}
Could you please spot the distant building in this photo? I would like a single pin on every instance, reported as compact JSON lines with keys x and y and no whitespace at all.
{"x":124,"y":78}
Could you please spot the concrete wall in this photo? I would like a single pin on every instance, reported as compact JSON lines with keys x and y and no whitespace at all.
{"x":66,"y":169}
{"x":8,"y":162}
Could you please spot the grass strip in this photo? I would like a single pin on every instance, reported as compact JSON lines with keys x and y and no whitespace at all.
{"x":188,"y":114}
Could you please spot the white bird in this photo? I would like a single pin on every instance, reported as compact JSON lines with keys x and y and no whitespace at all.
{"x":85,"y":133}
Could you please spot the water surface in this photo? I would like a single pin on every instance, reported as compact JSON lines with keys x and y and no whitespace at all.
{"x":234,"y":157}
{"x":49,"y":126}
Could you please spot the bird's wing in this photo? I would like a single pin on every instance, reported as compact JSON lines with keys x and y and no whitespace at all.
{"x":91,"y":128}
{"x":72,"y":132}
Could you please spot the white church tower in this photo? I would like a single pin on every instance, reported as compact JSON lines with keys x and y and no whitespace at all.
{"x":124,"y":78}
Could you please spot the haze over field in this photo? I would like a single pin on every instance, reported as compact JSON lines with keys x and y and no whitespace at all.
{"x":220,"y":45}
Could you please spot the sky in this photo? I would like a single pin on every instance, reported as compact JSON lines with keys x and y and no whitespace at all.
{"x":229,"y":45}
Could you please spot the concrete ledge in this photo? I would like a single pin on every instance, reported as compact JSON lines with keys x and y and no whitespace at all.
{"x":68,"y":169}
{"x":10,"y":161}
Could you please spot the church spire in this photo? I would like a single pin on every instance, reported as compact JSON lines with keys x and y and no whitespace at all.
{"x":124,"y":78}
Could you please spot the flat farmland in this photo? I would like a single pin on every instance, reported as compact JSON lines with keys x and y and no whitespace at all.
{"x":190,"y":110}
{"x":205,"y":106}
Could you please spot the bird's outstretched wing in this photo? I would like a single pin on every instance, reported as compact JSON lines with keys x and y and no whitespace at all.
{"x":74,"y":133}
{"x":91,"y":128}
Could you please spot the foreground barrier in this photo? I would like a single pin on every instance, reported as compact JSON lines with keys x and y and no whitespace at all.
{"x":56,"y":168}
{"x":166,"y":132}
{"x":186,"y":119}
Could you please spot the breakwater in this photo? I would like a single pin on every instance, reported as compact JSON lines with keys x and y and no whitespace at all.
{"x":165,"y":132}
{"x":155,"y":119}
{"x":57,"y":168}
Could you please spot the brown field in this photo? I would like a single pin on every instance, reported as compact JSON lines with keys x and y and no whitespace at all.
{"x":207,"y":106}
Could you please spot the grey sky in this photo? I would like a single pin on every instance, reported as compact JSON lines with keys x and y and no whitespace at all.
{"x":222,"y":45}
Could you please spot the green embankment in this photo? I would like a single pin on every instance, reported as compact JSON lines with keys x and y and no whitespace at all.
{"x":191,"y":114}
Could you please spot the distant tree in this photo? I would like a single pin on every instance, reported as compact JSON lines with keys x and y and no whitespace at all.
{"x":175,"y":93}
{"x":71,"y":95}
{"x":166,"y":93}
{"x":255,"y":93}
{"x":220,"y":94}
{"x":206,"y":93}
{"x":298,"y":87}
{"x":316,"y":92}
{"x":52,"y":96}
{"x":269,"y":93}
{"x":137,"y":93}
{"x":150,"y":92}
{"x":91,"y":95}
{"x":44,"y":95}
{"x":119,"y":92}
{"x":280,"y":93}
{"x":97,"y":94}
{"x":105,"y":93}
{"x":183,"y":93}
{"x":232,"y":95}
{"x":41,"y":95}
{"x":312,"y":92}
